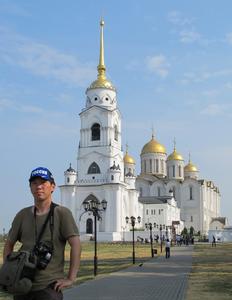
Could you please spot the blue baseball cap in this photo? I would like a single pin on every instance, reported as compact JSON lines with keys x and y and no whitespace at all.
{"x":43,"y":173}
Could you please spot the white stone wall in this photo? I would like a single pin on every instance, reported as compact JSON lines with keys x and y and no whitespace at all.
{"x":178,"y":166}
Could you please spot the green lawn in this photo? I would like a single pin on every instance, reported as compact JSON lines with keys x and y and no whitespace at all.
{"x":211,"y":276}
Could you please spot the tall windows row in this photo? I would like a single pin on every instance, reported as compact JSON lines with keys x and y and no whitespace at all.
{"x":175,"y":171}
{"x":154,"y":166}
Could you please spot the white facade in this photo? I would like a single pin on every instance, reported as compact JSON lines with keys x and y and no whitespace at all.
{"x":198,"y":200}
{"x":164,"y":193}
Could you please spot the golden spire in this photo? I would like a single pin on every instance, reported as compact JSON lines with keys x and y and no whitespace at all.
{"x":152,"y":132}
{"x":101,"y":67}
{"x":101,"y":81}
{"x":127,"y":148}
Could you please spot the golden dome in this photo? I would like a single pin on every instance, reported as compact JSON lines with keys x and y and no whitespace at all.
{"x":175,"y":156}
{"x":153,"y":147}
{"x":128,"y":159}
{"x":190,"y":168}
{"x":101,"y":81}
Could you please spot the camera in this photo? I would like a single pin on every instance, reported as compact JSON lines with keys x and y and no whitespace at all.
{"x":43,"y":252}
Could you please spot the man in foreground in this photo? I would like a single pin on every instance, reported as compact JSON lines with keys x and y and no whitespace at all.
{"x":44,"y":229}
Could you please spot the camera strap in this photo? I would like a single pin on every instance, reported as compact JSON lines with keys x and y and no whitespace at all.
{"x":50,"y":218}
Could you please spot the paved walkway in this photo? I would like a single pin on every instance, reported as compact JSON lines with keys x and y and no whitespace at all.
{"x":156,"y":279}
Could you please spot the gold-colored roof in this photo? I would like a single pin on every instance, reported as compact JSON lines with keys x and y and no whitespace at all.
{"x":101,"y":81}
{"x":153,"y":147}
{"x":128,"y":159}
{"x":190,"y":168}
{"x":175,"y":155}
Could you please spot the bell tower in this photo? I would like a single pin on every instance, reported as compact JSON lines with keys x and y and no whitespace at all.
{"x":100,"y":134}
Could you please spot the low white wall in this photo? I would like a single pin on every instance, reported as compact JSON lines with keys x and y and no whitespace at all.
{"x":224,"y":235}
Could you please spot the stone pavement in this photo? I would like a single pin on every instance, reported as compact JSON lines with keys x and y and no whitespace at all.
{"x":157,"y":279}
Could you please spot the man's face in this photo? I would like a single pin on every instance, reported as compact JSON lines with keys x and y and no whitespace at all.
{"x":41,"y":189}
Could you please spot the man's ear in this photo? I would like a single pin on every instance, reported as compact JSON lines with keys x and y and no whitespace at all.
{"x":54,"y":186}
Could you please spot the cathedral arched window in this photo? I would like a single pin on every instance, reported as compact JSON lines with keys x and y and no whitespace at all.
{"x":157,"y":165}
{"x":116,"y":133}
{"x":159,"y":191}
{"x":89,"y":226}
{"x":94,"y":169}
{"x":191,"y":193}
{"x":173,"y":171}
{"x":180,"y":171}
{"x":95,"y":132}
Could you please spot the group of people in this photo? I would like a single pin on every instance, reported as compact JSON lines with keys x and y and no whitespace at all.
{"x":35,"y":223}
{"x":185,"y":240}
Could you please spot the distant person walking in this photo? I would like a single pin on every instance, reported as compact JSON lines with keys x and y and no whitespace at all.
{"x":214,"y":241}
{"x":167,"y":249}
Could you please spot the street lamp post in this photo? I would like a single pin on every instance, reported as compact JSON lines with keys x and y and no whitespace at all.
{"x":133,"y":220}
{"x":95,"y":207}
{"x":161,"y":239}
{"x":149,"y":226}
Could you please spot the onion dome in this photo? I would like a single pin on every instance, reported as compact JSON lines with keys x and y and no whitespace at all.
{"x":70,"y":169}
{"x":101,"y":81}
{"x":175,"y":155}
{"x":127,"y":158}
{"x":153,"y":147}
{"x":190,"y":167}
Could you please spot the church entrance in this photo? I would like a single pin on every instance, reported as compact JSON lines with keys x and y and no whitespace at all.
{"x":89,"y":226}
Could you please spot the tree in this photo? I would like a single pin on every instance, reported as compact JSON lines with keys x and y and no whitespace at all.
{"x":184,"y":231}
{"x":191,"y":231}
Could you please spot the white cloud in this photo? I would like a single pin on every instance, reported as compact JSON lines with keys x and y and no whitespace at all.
{"x":158,"y":64}
{"x":189,"y":36}
{"x":215,"y":109}
{"x":176,"y":18}
{"x":206,"y":75}
{"x":43,"y":60}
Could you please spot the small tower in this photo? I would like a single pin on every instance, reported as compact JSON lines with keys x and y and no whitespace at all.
{"x":114,"y":173}
{"x":129,"y":163}
{"x":70,"y":176}
{"x":175,"y":165}
{"x":129,"y":170}
{"x":190,"y":170}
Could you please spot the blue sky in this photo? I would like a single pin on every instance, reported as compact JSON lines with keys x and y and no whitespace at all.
{"x":169,"y":60}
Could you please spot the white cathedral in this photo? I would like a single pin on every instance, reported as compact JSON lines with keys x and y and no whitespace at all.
{"x":167,"y":193}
